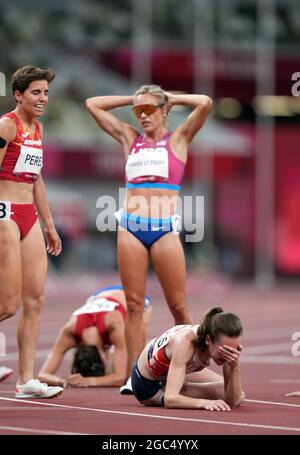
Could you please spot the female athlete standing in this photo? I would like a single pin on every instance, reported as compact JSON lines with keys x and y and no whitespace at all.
{"x":155,"y":161}
{"x":23,"y":266}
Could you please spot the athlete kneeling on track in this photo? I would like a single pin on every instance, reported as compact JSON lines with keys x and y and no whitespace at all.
{"x":172,"y":370}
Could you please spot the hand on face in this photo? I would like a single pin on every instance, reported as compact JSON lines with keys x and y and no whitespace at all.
{"x":230,"y":354}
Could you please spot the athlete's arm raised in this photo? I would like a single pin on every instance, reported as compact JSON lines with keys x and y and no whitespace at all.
{"x":99,"y":107}
{"x":184,"y":134}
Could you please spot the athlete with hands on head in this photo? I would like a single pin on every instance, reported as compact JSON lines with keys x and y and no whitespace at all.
{"x":148,"y":222}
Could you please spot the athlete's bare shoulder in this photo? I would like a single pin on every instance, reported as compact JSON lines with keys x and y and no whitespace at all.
{"x":8,"y":128}
{"x":7,"y":122}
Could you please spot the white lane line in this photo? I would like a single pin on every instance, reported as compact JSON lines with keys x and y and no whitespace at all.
{"x":36,"y":430}
{"x":155,"y":416}
{"x":283,"y":381}
{"x":15,"y":355}
{"x":13,"y":408}
{"x":26,"y":408}
{"x":269,"y":348}
{"x":267,"y":333}
{"x":275,"y":359}
{"x":275,"y":403}
{"x":42,"y":353}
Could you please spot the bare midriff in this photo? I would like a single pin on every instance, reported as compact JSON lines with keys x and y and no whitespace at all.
{"x":151,"y":203}
{"x":19,"y":193}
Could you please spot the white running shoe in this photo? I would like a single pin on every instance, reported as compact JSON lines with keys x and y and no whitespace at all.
{"x":5,"y":373}
{"x":126,"y":389}
{"x":36,"y":389}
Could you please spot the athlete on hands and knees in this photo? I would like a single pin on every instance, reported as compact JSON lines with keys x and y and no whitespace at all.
{"x":97,"y":330}
{"x":172,"y":370}
{"x":23,"y":199}
{"x":148,"y":224}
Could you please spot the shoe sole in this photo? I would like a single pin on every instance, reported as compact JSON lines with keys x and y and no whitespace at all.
{"x":126,"y":392}
{"x":38,"y":397}
{"x":6,"y":376}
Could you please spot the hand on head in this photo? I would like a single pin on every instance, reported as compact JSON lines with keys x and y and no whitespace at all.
{"x":169,"y":103}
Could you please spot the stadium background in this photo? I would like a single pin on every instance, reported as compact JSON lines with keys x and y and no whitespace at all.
{"x":245,"y":161}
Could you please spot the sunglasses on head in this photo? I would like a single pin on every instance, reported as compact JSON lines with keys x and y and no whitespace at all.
{"x":147,"y":109}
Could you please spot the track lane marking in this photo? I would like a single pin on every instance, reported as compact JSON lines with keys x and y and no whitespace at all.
{"x":154,"y":416}
{"x":35,"y":430}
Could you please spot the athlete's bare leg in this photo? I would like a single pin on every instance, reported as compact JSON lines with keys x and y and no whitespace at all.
{"x":10,"y":269}
{"x":34,"y":266}
{"x":133,"y":260}
{"x":169,"y":264}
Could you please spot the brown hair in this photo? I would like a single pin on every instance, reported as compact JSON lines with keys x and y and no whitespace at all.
{"x":22,"y":78}
{"x":215,"y":322}
{"x":87,"y":361}
{"x":154,"y":90}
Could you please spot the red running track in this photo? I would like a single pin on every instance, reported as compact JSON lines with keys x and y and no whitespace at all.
{"x":269,"y":370}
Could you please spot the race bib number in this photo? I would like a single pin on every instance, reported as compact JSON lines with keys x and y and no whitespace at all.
{"x":5,"y":210}
{"x":164,"y":339}
{"x":148,"y":162}
{"x":30,"y":161}
{"x":96,"y":305}
{"x":160,"y":343}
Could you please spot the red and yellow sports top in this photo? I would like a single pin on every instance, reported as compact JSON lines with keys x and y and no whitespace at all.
{"x":23,"y":159}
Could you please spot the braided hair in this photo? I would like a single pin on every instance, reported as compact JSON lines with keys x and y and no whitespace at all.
{"x":215,"y":322}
